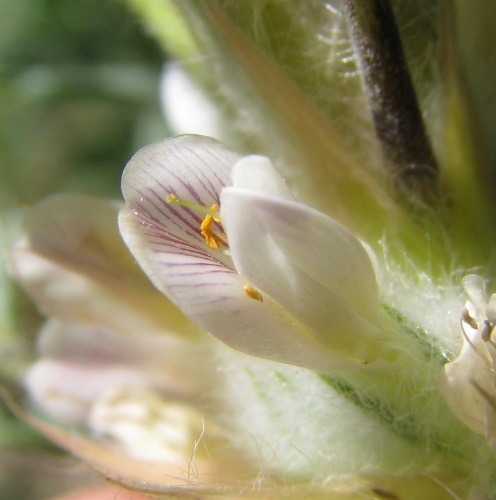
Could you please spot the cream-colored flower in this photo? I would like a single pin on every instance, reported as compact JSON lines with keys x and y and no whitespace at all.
{"x":269,"y":276}
{"x":112,"y":346}
{"x":468,"y":381}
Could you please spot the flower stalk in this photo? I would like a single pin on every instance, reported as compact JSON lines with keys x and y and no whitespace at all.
{"x":394,"y":105}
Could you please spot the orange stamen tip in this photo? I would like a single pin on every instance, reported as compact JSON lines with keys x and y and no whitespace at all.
{"x":253,"y":293}
{"x":211,"y":239}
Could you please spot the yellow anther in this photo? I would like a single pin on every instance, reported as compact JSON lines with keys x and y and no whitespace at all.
{"x":253,"y":293}
{"x":211,"y":239}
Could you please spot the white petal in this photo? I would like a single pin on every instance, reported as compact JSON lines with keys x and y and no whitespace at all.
{"x":257,"y":173}
{"x":312,"y":265}
{"x":74,"y":298}
{"x":81,"y":234}
{"x":84,"y":344}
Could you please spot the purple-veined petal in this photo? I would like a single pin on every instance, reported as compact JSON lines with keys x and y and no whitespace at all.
{"x":193,"y":168}
{"x":165,"y":239}
{"x":312,"y":265}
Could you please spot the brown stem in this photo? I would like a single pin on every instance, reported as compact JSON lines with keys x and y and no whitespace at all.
{"x":395,"y":110}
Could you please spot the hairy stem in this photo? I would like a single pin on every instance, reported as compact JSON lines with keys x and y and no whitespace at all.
{"x":395,"y":110}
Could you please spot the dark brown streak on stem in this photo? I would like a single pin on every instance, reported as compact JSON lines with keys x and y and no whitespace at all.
{"x":385,"y":494}
{"x":395,"y":110}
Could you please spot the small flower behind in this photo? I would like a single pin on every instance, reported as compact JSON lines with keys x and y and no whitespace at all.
{"x":267,"y":275}
{"x":116,"y":360}
{"x":468,"y":381}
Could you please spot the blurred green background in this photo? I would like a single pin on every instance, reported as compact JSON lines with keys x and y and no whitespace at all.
{"x":79,"y":93}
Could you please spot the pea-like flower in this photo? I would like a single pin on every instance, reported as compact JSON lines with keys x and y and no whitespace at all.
{"x":225,"y":240}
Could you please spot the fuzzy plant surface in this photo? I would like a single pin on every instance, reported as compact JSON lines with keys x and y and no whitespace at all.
{"x":291,"y":301}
